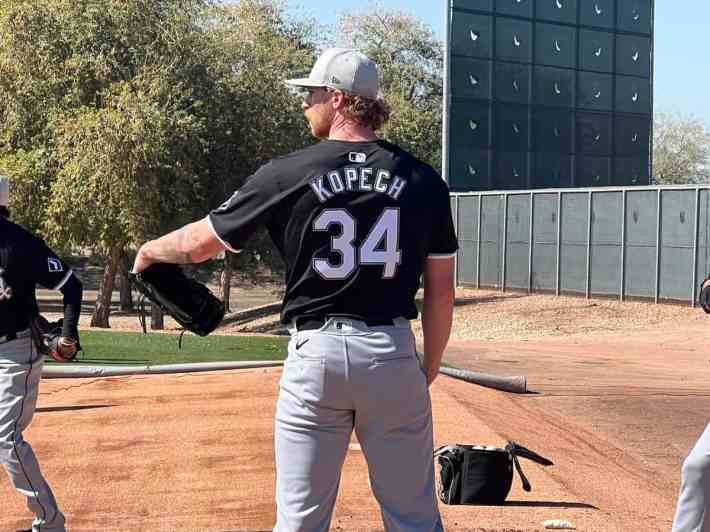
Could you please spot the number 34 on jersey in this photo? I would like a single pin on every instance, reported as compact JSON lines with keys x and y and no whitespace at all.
{"x":381,"y":247}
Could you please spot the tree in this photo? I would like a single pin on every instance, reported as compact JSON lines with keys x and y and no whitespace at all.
{"x":103,"y":115}
{"x":133,"y":117}
{"x":410,"y":60}
{"x":261,"y":119}
{"x":681,"y":150}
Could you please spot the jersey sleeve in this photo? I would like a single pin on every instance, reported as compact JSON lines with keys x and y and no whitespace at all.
{"x":443,"y":242}
{"x":49,"y":270}
{"x":247,"y":209}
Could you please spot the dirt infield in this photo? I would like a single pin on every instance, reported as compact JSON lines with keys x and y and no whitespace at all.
{"x":615,"y":407}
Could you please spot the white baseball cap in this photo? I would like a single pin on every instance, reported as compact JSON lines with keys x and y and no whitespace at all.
{"x":4,"y":191}
{"x":343,"y":69}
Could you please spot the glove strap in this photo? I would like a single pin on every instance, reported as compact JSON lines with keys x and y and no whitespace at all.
{"x":141,"y":313}
{"x":515,"y":450}
{"x":523,"y":478}
{"x":142,"y":320}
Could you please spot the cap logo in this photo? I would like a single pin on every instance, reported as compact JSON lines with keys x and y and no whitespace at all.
{"x":334,"y":79}
{"x":54,"y":265}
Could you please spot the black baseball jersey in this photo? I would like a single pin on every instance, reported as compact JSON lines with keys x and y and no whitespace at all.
{"x":27,"y":262}
{"x":354,"y":223}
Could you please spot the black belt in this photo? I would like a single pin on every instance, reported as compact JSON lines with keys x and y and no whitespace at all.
{"x":308,"y":323}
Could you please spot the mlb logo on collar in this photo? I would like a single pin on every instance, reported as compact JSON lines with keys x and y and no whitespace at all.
{"x":54,"y":265}
{"x":357,"y":157}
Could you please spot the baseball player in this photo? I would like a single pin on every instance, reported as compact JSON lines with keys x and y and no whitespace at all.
{"x":693,"y":509}
{"x":25,"y":261}
{"x":359,"y":222}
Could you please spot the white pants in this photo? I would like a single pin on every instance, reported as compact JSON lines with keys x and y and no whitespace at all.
{"x":694,"y":499}
{"x":20,"y":373}
{"x":348,"y":376}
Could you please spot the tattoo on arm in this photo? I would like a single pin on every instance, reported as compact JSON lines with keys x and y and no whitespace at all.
{"x":188,"y":245}
{"x":183,"y":242}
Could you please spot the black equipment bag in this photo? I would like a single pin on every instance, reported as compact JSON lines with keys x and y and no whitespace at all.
{"x":476,"y":474}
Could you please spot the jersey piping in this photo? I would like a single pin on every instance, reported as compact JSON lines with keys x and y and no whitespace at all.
{"x":221,"y":240}
{"x":63,"y":281}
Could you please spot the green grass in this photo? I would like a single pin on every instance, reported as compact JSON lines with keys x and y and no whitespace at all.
{"x":127,"y":348}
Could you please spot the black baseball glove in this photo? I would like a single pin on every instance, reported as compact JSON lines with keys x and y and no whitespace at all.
{"x":704,"y":296}
{"x":188,"y":301}
{"x":47,"y":336}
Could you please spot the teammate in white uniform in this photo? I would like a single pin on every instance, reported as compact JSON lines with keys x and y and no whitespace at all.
{"x":693,"y":509}
{"x":358,"y":222}
{"x":26,"y":261}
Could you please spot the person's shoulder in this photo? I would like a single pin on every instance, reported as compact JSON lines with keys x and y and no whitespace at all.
{"x":303,"y":155}
{"x":17,"y":230}
{"x":422,"y":171}
{"x":21,"y":236}
{"x":409,"y":159}
{"x":283,"y":166}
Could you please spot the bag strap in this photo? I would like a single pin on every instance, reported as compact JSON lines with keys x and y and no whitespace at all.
{"x":518,"y":450}
{"x":514,"y":450}
{"x":445,"y":448}
{"x":523,"y":478}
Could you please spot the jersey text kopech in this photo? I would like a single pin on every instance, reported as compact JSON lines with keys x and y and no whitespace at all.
{"x":348,"y":218}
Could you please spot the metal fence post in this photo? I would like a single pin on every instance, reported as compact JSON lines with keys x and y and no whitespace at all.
{"x":458,"y":232}
{"x":559,"y":245}
{"x":622,"y":271}
{"x":478,"y":243}
{"x":505,"y":238}
{"x":658,"y":245}
{"x":589,"y":245}
{"x":696,"y":228}
{"x":530,"y":241}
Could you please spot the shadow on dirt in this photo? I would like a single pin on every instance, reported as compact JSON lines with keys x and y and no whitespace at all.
{"x":550,"y":504}
{"x":465,"y":301}
{"x":69,"y":408}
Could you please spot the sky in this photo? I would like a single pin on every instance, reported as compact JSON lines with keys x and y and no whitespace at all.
{"x":682,"y":33}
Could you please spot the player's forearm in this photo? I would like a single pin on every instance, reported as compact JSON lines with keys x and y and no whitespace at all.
{"x":437,"y":314}
{"x":72,"y":292}
{"x":192,"y":243}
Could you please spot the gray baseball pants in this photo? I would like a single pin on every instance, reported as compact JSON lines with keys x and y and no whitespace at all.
{"x":694,"y":499}
{"x":20,"y":373}
{"x":348,"y":376}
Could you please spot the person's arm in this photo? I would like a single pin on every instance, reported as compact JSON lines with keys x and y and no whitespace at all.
{"x":53,"y":273}
{"x":72,"y":290}
{"x":195,"y":242}
{"x":437,"y":312}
